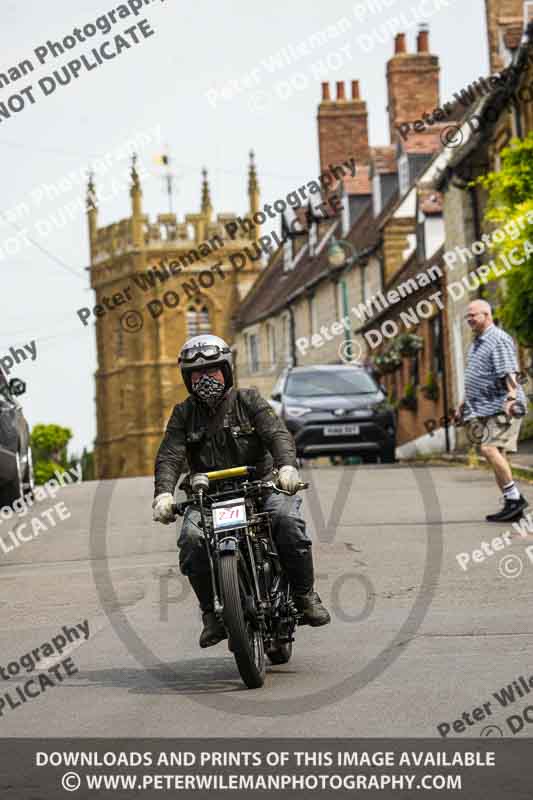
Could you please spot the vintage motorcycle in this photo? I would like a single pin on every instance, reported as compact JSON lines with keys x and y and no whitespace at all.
{"x":252,"y":595}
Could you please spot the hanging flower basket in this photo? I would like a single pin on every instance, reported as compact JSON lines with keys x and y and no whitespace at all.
{"x":388,"y":362}
{"x":409,"y":344}
{"x":409,"y":400}
{"x":430,"y":390}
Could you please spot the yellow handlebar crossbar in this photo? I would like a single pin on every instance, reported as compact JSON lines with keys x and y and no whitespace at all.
{"x":232,"y":472}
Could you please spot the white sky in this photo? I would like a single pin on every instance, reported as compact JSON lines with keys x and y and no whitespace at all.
{"x":164,"y":81}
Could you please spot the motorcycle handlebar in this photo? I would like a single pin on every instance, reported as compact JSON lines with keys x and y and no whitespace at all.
{"x":179,"y":508}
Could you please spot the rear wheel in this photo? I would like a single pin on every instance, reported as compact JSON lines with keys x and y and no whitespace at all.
{"x":246,"y":640}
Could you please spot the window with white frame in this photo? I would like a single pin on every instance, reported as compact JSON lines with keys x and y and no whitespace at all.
{"x":403,"y":173}
{"x":287,"y":255}
{"x":246,"y":348}
{"x":253,"y":352}
{"x":376,"y":194}
{"x":286,"y":340}
{"x":312,"y":238}
{"x":271,"y":342}
{"x":437,"y":365}
{"x":197,"y":318}
{"x":345,"y":214}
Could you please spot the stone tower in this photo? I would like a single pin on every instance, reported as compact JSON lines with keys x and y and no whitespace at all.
{"x":155,"y":284}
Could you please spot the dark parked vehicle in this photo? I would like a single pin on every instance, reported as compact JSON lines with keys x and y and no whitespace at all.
{"x":16,"y":466}
{"x":336,"y":410}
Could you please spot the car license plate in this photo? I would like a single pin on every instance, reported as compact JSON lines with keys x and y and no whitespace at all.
{"x":229,"y":514}
{"x":341,"y":430}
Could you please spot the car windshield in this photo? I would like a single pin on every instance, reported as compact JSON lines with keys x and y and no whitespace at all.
{"x":320,"y":383}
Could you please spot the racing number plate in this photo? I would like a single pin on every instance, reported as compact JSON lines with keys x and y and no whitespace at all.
{"x":229,"y":514}
{"x":341,"y":430}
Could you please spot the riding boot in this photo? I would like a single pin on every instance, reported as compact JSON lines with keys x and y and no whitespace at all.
{"x":301,"y":577}
{"x":213,"y":631}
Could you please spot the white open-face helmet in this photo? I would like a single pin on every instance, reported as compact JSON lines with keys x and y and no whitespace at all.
{"x":205,"y":350}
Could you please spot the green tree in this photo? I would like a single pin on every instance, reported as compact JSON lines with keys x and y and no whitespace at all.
{"x":510,"y":207}
{"x":49,"y":447}
{"x":87,"y":465}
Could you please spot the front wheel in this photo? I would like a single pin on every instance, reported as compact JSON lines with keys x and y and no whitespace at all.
{"x":246,"y":640}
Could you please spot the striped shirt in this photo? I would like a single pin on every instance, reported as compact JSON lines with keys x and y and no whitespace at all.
{"x":491,"y":357}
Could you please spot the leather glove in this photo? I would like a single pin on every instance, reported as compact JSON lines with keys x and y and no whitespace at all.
{"x":162,"y":506}
{"x":288,"y":478}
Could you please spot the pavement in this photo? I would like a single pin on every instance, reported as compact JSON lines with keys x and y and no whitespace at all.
{"x":522,"y":460}
{"x":524,"y":457}
{"x":415,"y":640}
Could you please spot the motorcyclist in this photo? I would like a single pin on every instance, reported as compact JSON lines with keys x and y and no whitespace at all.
{"x":216,"y":427}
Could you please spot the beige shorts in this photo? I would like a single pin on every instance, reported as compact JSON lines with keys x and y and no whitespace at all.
{"x":497,"y":431}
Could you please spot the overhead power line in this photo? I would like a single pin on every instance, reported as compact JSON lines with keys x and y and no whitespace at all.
{"x":44,"y":250}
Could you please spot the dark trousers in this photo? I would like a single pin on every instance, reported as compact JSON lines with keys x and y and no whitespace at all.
{"x":288,"y":530}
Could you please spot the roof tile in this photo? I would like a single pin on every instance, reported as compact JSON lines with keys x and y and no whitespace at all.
{"x":271,"y":292}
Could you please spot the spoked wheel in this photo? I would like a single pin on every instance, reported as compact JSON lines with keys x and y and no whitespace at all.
{"x":246,"y":640}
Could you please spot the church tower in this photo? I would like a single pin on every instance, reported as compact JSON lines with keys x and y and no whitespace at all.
{"x":156,"y":283}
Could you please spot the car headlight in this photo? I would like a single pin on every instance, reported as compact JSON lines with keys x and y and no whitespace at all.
{"x":296,"y":411}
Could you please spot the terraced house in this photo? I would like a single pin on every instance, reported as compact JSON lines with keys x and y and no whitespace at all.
{"x":371,"y":283}
{"x":364,"y":271}
{"x":319,"y":294}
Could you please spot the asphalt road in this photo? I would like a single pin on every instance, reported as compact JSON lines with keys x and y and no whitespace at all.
{"x":415,"y":640}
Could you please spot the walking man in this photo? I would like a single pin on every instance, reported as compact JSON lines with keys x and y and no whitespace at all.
{"x":496,"y":401}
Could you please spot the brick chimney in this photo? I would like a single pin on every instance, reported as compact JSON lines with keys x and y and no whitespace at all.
{"x":499,"y":14}
{"x":412,"y":81}
{"x":342,"y":127}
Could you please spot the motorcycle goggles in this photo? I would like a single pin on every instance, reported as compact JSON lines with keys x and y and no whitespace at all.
{"x":210,"y":352}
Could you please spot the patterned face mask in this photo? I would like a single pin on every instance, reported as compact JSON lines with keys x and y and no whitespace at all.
{"x":209,"y":390}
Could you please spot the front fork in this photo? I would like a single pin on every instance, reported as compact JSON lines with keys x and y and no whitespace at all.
{"x":229,"y":545}
{"x":217,"y":605}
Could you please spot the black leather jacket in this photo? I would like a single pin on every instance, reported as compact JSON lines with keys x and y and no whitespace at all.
{"x":242,"y":431}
